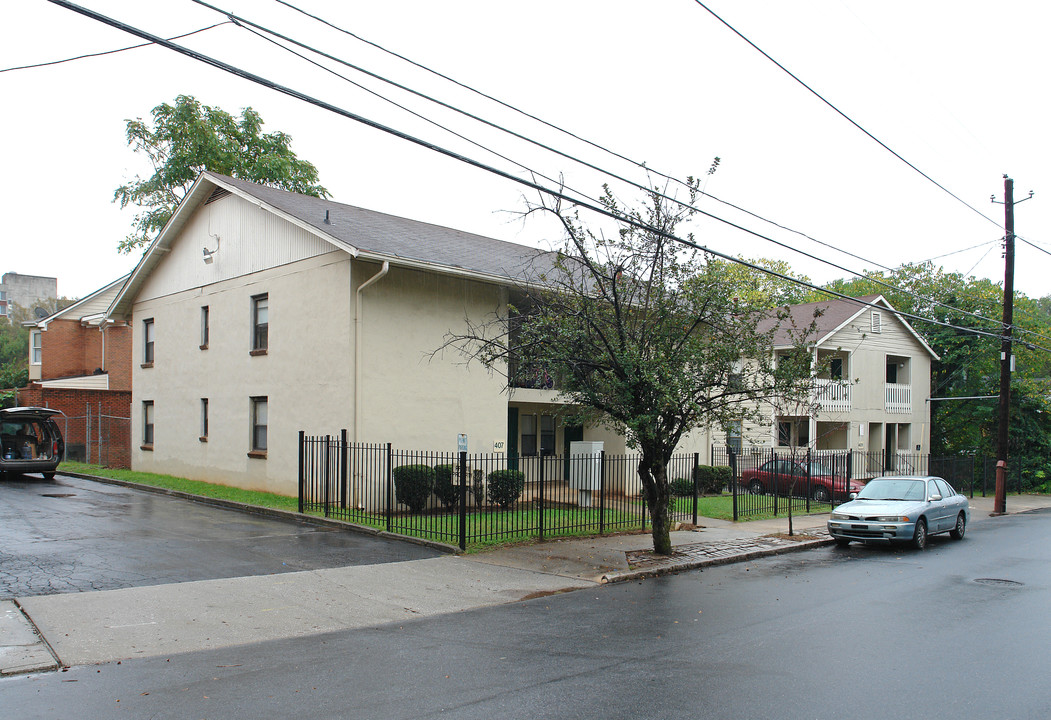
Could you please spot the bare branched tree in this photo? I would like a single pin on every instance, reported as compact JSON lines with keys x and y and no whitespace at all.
{"x":641,"y":333}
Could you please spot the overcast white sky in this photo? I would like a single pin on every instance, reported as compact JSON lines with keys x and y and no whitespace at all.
{"x":957,"y":87}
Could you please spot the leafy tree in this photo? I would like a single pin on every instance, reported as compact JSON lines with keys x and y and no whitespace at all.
{"x":969,"y":363}
{"x":642,"y":335}
{"x":187,"y":138}
{"x":760,"y":288}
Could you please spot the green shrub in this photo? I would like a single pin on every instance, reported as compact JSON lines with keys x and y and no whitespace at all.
{"x":682,"y":487}
{"x":446,"y":484}
{"x":711,"y":480}
{"x":413,"y":485}
{"x":505,"y":486}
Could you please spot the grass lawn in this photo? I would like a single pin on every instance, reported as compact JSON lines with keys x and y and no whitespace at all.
{"x":751,"y":507}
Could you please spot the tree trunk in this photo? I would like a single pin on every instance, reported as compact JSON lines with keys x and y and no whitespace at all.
{"x":654,"y":476}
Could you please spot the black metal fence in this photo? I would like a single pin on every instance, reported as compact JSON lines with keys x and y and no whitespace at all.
{"x":474,"y":499}
{"x":464,"y":499}
{"x":772,"y":480}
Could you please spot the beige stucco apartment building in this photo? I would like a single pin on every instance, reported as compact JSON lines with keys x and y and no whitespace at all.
{"x":259,"y":313}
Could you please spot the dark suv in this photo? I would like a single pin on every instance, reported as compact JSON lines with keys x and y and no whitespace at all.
{"x":30,"y":441}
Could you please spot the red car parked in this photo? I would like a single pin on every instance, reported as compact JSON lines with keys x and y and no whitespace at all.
{"x":779,"y":475}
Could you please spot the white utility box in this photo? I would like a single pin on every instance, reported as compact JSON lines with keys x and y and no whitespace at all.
{"x":585,"y":469}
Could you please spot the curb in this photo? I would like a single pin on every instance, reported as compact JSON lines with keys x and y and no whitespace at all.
{"x":673,"y":566}
{"x":270,"y":512}
{"x":24,"y":649}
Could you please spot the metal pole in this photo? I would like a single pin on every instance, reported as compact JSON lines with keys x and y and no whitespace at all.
{"x":602,"y":494}
{"x":87,"y":433}
{"x":1000,"y":501}
{"x":328,"y":470}
{"x":390,"y":487}
{"x":734,"y":481}
{"x":540,"y":505}
{"x":696,"y":464}
{"x":463,"y":500}
{"x":343,"y":476}
{"x":301,"y":478}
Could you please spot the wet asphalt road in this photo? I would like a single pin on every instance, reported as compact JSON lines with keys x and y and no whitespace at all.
{"x":75,"y":535}
{"x":866,"y":633}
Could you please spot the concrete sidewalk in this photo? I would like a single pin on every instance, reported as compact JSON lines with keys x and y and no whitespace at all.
{"x":46,"y":632}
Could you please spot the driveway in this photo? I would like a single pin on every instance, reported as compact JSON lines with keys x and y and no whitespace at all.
{"x":74,"y":535}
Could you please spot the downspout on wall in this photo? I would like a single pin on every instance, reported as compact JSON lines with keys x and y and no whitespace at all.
{"x":384,"y":269}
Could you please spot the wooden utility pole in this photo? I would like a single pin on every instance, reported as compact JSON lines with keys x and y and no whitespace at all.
{"x":1000,"y":500}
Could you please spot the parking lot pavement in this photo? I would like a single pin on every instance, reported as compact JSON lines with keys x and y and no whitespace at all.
{"x":76,"y":535}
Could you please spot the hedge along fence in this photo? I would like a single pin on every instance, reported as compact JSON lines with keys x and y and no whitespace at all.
{"x":478,"y":499}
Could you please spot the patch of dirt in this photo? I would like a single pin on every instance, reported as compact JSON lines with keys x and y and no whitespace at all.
{"x":798,"y":537}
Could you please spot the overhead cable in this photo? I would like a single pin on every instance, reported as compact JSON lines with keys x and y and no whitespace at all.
{"x":551,"y":192}
{"x":109,"y":52}
{"x":245,"y":23}
{"x":846,"y":117}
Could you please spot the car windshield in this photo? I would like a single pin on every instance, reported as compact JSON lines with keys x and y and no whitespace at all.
{"x":892,"y":489}
{"x":817,"y":468}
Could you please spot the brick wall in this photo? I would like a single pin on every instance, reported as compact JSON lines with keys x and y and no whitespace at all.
{"x":107,"y":411}
{"x":118,"y":357}
{"x":63,"y":350}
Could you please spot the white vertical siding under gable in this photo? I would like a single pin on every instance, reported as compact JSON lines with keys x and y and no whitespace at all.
{"x":249,"y":238}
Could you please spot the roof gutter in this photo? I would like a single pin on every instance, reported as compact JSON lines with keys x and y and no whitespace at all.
{"x":357,"y":346}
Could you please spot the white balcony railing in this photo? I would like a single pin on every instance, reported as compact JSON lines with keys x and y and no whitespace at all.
{"x":898,"y":399}
{"x":833,"y":395}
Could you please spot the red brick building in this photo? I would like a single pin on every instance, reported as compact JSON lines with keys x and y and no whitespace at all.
{"x":80,"y":364}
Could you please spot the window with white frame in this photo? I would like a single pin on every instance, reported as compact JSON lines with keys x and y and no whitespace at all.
{"x":734,"y":430}
{"x":260,"y":323}
{"x":259,"y":426}
{"x":204,"y":327}
{"x":148,"y":331}
{"x":204,"y":420}
{"x":147,"y":424}
{"x":36,"y":351}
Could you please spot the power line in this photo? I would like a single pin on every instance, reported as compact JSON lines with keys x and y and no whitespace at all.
{"x":557,"y":194}
{"x":568,"y":133}
{"x":846,"y":117}
{"x":239,"y":22}
{"x":1035,"y":247}
{"x":604,"y":149}
{"x":956,"y":252}
{"x":108,"y":52}
{"x":244,"y":23}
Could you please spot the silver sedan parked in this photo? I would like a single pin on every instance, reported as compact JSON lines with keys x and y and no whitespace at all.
{"x":902,"y":509}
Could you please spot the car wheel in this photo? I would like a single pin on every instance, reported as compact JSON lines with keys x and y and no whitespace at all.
{"x":49,"y":476}
{"x":961,"y":527}
{"x":919,"y":538}
{"x":822,"y":495}
{"x":842,"y":542}
{"x":755,"y":487}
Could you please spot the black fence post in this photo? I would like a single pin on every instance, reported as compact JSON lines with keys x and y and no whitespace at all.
{"x":777,"y":480}
{"x":463,"y":500}
{"x":540,"y":503}
{"x":343,"y":485}
{"x":302,"y":478}
{"x":602,"y":493}
{"x":733,"y":480}
{"x":693,"y":471}
{"x":390,"y":487}
{"x":328,"y":471}
{"x":809,"y":480}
